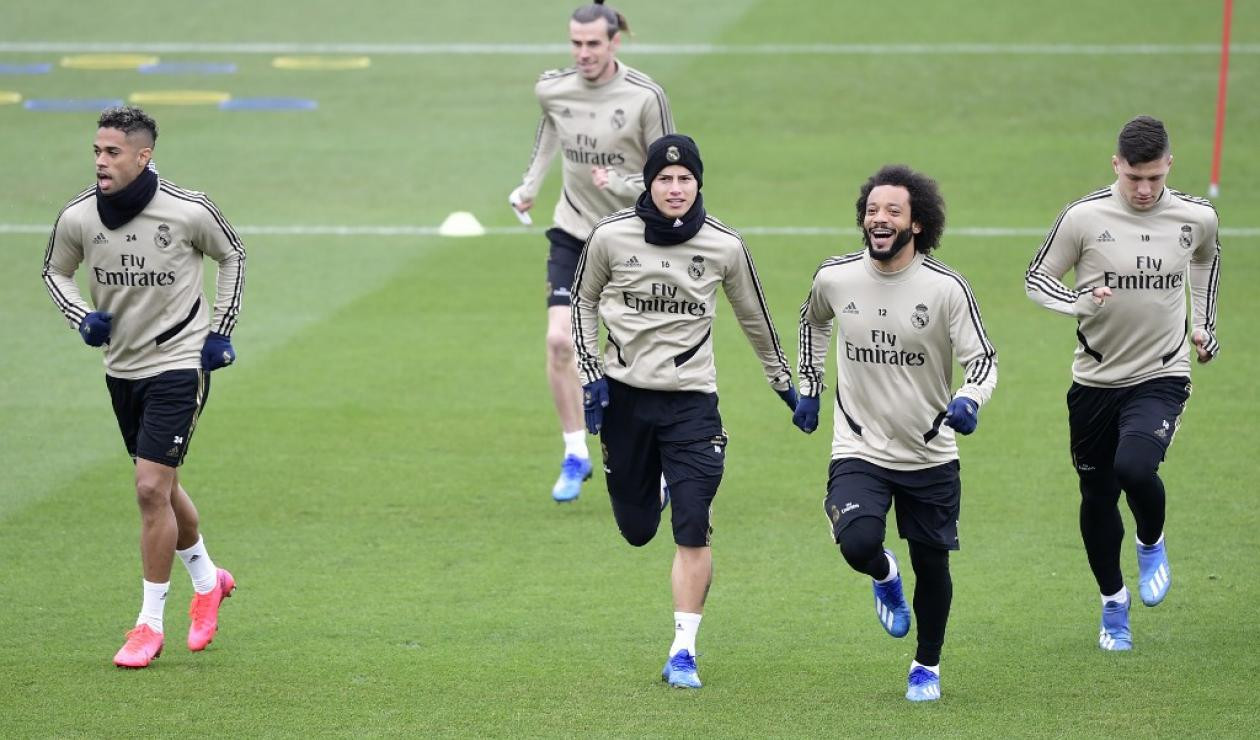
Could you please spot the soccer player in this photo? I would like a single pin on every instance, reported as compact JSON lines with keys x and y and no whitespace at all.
{"x":1133,"y":246}
{"x":143,"y":241}
{"x":651,"y":274}
{"x":900,"y":318}
{"x":601,"y":115}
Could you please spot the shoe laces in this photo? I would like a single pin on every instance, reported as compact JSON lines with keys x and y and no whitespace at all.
{"x":136,"y":638}
{"x":920,"y":676}
{"x":891,"y":595}
{"x":572,"y":466}
{"x":201,"y":604}
{"x":682,"y":661}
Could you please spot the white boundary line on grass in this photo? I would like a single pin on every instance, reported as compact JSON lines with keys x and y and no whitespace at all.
{"x":404,"y":231}
{"x":413,"y":49}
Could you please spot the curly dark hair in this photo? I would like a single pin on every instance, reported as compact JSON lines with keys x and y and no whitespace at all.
{"x":927,"y":207}
{"x":1142,"y":140}
{"x":129,"y":119}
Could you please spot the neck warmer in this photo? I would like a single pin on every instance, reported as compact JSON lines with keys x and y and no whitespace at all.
{"x":663,"y":231}
{"x":117,"y":209}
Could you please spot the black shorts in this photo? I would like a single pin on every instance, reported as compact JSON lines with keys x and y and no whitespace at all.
{"x":647,"y":433}
{"x":157,"y":415}
{"x":1099,"y":417}
{"x":561,"y":264}
{"x":928,"y":500}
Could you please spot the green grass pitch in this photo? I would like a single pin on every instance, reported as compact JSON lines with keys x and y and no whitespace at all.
{"x":376,"y":468}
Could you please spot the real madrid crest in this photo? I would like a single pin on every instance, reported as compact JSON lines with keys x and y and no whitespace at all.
{"x":696,"y":268}
{"x":162,"y":237}
{"x":672,"y":155}
{"x":1187,"y":236}
{"x":618,"y":119}
{"x":919,"y":318}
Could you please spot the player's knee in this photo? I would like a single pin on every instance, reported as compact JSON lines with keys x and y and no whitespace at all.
{"x":1137,"y":460}
{"x":861,"y":542}
{"x":560,"y":347}
{"x":929,"y":560}
{"x":152,"y":494}
{"x":638,"y":536}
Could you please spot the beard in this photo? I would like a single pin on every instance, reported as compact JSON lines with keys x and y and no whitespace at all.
{"x":903,"y":238}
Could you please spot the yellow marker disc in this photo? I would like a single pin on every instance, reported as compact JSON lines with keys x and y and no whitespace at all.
{"x":179,"y":97}
{"x":7,"y":97}
{"x":107,"y":61}
{"x":322,"y":63}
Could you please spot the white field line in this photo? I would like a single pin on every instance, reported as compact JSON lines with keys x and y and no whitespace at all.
{"x":412,"y":49}
{"x":412,"y":231}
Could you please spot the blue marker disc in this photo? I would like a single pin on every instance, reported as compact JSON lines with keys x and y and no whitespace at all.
{"x":268,"y":104}
{"x":71,"y":105}
{"x":25,"y":69}
{"x":188,"y":68}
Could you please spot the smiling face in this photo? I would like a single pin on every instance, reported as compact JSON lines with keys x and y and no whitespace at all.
{"x":1141,"y":184}
{"x":594,"y":51}
{"x":120,"y":158}
{"x":674,"y":190}
{"x":887,"y":226}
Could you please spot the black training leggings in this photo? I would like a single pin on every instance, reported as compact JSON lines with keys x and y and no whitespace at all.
{"x":1135,"y":471}
{"x":862,"y":545}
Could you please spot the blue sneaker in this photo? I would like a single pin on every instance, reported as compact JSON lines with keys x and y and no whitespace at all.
{"x":890,"y":605}
{"x":573,"y":472}
{"x":1113,"y":633}
{"x":923,"y":685}
{"x":1154,"y":573}
{"x":680,"y":671}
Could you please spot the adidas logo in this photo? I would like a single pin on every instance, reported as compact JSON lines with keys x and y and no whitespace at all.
{"x":849,"y":507}
{"x":633,"y":262}
{"x":851,"y":308}
{"x":173,"y":452}
{"x":100,"y":238}
{"x":1105,"y":237}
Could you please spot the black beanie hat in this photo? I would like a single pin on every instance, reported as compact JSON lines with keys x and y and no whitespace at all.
{"x":670,"y":149}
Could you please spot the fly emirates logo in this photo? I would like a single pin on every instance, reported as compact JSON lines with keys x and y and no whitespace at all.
{"x":884,"y":350}
{"x":132,"y":274}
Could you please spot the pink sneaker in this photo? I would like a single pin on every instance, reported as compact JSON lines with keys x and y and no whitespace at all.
{"x":204,"y":612}
{"x":142,"y":646}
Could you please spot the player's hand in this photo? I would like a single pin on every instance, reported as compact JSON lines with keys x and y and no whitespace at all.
{"x":599,"y":177}
{"x":518,"y":201}
{"x":1201,"y":341}
{"x":95,"y":328}
{"x":1101,"y":294}
{"x":789,"y":397}
{"x":217,"y":352}
{"x":594,"y":401}
{"x":805,"y":417}
{"x":963,"y":414}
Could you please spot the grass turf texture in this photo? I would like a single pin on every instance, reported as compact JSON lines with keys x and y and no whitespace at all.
{"x":375,"y":470}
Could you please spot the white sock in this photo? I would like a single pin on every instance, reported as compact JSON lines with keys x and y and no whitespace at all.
{"x":892,"y":569}
{"x":1120,"y":597}
{"x":686,"y":625}
{"x":935,"y":669}
{"x":575,"y":444}
{"x":153,"y":606}
{"x":200,"y":566}
{"x":1153,"y":544}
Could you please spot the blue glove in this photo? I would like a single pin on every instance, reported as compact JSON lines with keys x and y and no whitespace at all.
{"x":217,"y":352}
{"x":789,"y":397}
{"x":95,"y":328}
{"x":806,"y":415}
{"x":594,"y":401}
{"x":963,"y":414}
